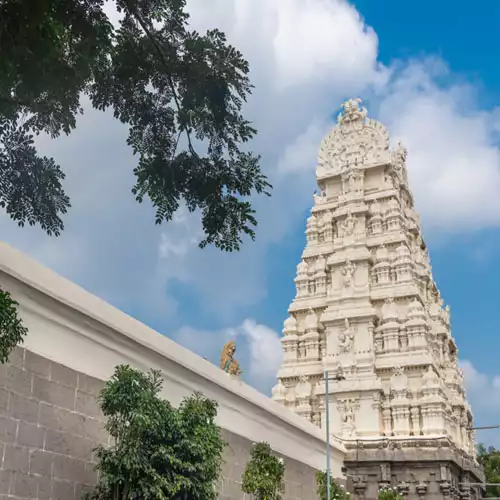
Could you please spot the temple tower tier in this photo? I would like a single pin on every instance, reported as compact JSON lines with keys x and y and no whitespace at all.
{"x":367,"y":308}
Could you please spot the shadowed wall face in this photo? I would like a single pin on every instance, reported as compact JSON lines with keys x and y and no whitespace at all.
{"x":50,"y":423}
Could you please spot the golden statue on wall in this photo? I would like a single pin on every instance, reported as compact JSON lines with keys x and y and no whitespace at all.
{"x":227,"y":361}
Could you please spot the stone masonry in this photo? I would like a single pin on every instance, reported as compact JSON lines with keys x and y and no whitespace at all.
{"x":50,"y":423}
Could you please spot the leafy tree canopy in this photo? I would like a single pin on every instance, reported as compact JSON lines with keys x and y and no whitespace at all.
{"x":170,"y":85}
{"x":263,"y":475}
{"x":157,"y":452}
{"x":489,"y":458}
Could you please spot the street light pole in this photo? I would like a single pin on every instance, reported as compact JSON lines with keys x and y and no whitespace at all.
{"x":327,"y":426}
{"x":338,"y":378}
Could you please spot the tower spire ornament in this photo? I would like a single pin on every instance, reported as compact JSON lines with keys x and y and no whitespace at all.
{"x":402,"y":386}
{"x":352,"y":111}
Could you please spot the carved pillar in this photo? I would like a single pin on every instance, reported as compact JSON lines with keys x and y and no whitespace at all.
{"x":359,"y":489}
{"x":387,"y":418}
{"x":400,"y":415}
{"x":404,"y":489}
{"x":312,"y":230}
{"x":465,"y":488}
{"x":415,"y":420}
{"x":421,"y":489}
{"x":378,"y":341}
{"x":445,"y":488}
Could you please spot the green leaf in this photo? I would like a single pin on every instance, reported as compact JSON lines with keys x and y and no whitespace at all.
{"x":490,"y":461}
{"x":263,"y":475}
{"x":336,"y":492}
{"x":12,"y":331}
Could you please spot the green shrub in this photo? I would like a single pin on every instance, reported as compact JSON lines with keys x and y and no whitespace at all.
{"x":158,"y":452}
{"x":263,"y":475}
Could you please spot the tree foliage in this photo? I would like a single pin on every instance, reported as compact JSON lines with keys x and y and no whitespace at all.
{"x":12,"y":331}
{"x":336,"y":492}
{"x":158,"y":452}
{"x":263,"y":475}
{"x":489,"y":458}
{"x":179,"y":92}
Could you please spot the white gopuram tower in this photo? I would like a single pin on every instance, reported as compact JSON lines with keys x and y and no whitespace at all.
{"x":367,"y":308}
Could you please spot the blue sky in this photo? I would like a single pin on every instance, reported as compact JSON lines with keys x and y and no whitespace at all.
{"x":428,"y":70}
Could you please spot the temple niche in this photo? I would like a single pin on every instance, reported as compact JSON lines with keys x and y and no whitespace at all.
{"x":367,"y":306}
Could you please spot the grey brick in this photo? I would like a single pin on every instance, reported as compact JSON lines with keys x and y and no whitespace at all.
{"x":63,"y":490}
{"x":74,"y":470}
{"x":82,"y":489}
{"x":8,"y":429}
{"x":5,"y":479}
{"x":231,"y":489}
{"x":16,"y":458}
{"x":19,"y":380}
{"x":3,"y":374}
{"x":88,"y":405}
{"x":89,"y":385}
{"x":94,"y":430}
{"x":52,"y":392}
{"x":24,"y":485}
{"x":16,"y":357}
{"x":4,"y":401}
{"x":23,"y":408}
{"x":44,"y":487}
{"x":63,"y":375}
{"x":41,"y":462}
{"x":30,"y":435}
{"x":37,"y":364}
{"x":63,"y":420}
{"x":68,"y":444}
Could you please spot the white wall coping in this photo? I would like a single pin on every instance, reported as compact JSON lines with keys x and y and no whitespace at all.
{"x":91,"y":336}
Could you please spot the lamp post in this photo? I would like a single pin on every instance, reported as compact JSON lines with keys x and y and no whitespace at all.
{"x":338,"y":377}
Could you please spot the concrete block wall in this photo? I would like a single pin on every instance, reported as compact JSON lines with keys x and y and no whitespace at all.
{"x":50,"y":423}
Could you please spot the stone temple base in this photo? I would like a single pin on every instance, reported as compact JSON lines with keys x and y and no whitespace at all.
{"x":420,"y":469}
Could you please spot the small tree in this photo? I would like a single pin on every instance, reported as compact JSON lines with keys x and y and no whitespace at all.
{"x":263,"y":475}
{"x":158,"y":452}
{"x":490,"y":461}
{"x":336,"y":492}
{"x":389,"y":493}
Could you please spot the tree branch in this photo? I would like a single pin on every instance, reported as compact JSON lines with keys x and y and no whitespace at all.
{"x":14,"y":102}
{"x":134,"y":12}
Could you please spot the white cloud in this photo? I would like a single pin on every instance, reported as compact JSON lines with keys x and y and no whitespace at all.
{"x":258,"y":349}
{"x":454,"y":160}
{"x":483,"y":392}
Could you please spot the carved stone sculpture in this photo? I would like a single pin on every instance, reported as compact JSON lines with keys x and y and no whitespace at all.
{"x":348,"y":224}
{"x":227,"y":361}
{"x":348,"y":271}
{"x":346,"y":338}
